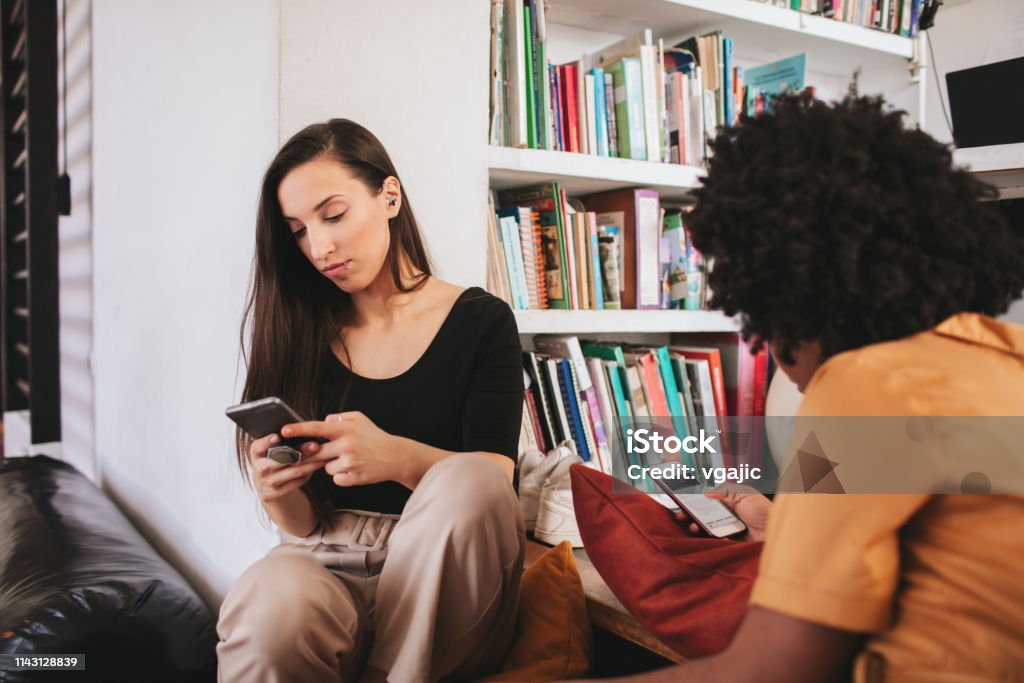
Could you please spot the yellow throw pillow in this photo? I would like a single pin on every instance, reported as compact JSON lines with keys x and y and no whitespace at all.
{"x":553,"y":638}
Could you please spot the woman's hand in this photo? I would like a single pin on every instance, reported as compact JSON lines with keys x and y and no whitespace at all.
{"x":271,"y":479}
{"x":746,"y":503}
{"x":360,"y":452}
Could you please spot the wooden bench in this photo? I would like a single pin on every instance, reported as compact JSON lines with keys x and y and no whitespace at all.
{"x":606,"y":612}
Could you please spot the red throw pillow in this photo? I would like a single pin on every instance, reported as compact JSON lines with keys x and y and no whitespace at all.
{"x":691,"y":592}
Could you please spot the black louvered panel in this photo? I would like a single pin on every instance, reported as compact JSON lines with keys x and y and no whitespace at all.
{"x":28,"y":215}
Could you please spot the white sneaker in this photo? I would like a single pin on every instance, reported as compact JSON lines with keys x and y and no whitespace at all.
{"x":534,"y":468}
{"x":556,"y":517}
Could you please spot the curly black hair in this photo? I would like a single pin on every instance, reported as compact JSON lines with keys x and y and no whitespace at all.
{"x":834,"y":223}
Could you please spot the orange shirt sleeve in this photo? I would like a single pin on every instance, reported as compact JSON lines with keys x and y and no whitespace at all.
{"x":834,"y":559}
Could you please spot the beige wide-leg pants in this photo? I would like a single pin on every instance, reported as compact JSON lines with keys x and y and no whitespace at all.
{"x":429,"y":595}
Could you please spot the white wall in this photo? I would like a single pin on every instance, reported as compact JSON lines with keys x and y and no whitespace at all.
{"x":414,"y":73}
{"x":970,"y":33}
{"x":967,"y":33}
{"x":184,"y":121}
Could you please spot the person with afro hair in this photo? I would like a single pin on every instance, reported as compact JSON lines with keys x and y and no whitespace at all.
{"x":872,"y":268}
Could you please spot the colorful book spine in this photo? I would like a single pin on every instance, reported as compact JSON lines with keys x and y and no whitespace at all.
{"x":600,"y":102}
{"x":675,"y":405}
{"x":597,"y":281}
{"x":652,"y":122}
{"x":629,"y":108}
{"x":531,"y":93}
{"x":609,"y":106}
{"x":556,"y":398}
{"x":540,"y":82}
{"x":570,"y":89}
{"x":572,"y":408}
{"x":556,"y":104}
{"x":547,"y":200}
{"x":514,"y":259}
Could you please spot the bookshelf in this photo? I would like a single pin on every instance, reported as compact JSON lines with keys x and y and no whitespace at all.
{"x":581,"y":174}
{"x":1000,"y":165}
{"x":762,"y":33}
{"x":624,"y":322}
{"x":834,"y":44}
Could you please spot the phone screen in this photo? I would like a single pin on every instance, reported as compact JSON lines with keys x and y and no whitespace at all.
{"x":711,"y":515}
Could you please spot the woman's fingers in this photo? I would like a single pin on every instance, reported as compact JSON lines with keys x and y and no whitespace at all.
{"x":259,"y":447}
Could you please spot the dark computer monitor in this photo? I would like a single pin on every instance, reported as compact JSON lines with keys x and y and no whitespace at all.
{"x":987,"y":104}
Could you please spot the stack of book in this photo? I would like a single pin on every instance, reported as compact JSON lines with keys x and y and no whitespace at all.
{"x":590,"y":393}
{"x":606,"y":251}
{"x":619,"y":102}
{"x":634,"y":99}
{"x":893,"y":16}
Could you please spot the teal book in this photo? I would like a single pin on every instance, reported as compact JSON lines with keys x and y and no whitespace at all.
{"x":785,"y":75}
{"x":683,"y":382}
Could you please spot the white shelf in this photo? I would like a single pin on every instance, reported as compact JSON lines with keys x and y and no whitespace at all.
{"x":581,"y":174}
{"x":564,"y":322}
{"x":1000,"y":165}
{"x":833,"y":47}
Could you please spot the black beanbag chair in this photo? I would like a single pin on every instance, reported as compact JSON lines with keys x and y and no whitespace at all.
{"x":77,"y":578}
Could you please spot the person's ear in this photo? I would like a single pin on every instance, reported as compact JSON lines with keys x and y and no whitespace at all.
{"x":392,"y":194}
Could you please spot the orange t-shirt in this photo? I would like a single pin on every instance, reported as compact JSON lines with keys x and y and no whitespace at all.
{"x":937,"y":580}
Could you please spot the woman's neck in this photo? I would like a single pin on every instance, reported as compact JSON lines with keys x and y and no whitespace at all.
{"x":382,"y":302}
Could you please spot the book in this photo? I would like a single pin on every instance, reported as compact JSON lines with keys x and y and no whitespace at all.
{"x":627,"y":80}
{"x":675,"y":235}
{"x":556,"y":106}
{"x":601,"y":109}
{"x":515,"y":69}
{"x":546,"y":199}
{"x":497,"y":267}
{"x":605,"y":403}
{"x":695,"y":298}
{"x":542,"y":97}
{"x":775,"y":78}
{"x":637,"y":215}
{"x":594,"y":251}
{"x":713,"y":357}
{"x":649,"y":81}
{"x":570,"y":401}
{"x":497,"y":134}
{"x":609,"y":244}
{"x":738,"y":370}
{"x":509,"y":232}
{"x":609,"y":101}
{"x":557,"y":399}
{"x":531,"y":93}
{"x":569,"y":245}
{"x":699,"y":374}
{"x":545,"y":410}
{"x":586,"y":423}
{"x":682,"y":377}
{"x":568,"y":83}
{"x":568,"y":346}
{"x":590,"y":96}
{"x":530,"y":413}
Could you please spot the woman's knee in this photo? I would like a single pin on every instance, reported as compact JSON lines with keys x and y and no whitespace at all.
{"x":474,"y":489}
{"x":283,"y":597}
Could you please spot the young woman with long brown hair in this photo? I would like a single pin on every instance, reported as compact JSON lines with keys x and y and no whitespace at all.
{"x":406,"y":551}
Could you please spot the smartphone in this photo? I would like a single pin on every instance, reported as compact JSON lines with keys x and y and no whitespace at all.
{"x":268,"y":416}
{"x":711,"y":515}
